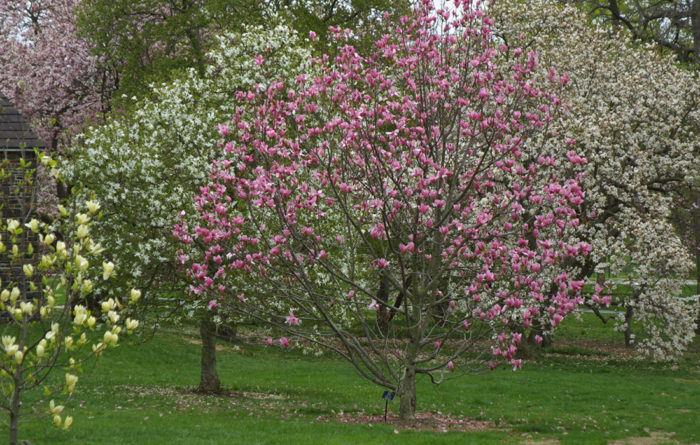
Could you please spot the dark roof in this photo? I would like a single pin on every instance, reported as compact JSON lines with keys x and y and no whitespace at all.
{"x":15,"y":132}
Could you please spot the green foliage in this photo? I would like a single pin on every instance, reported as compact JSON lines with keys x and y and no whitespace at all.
{"x":146,"y":41}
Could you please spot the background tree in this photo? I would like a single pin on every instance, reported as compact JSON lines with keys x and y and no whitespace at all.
{"x":671,"y":24}
{"x":636,"y":118}
{"x":147,"y":167}
{"x":48,"y":71}
{"x":674,"y":25}
{"x":144,"y":41}
{"x":408,"y":164}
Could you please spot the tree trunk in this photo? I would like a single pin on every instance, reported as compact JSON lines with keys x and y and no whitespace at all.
{"x":696,"y":201}
{"x":529,"y":349}
{"x":695,"y":20}
{"x":628,"y":327}
{"x":407,"y":394}
{"x":209,"y":381}
{"x":15,"y":406}
{"x":383,"y":314}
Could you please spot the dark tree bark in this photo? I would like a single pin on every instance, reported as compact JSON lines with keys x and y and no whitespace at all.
{"x":695,"y":20}
{"x":407,"y":394}
{"x":696,"y":232}
{"x":383,"y":315}
{"x":628,"y":327}
{"x":209,"y":381}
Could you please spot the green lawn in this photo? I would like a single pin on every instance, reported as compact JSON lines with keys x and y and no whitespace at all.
{"x":141,"y":394}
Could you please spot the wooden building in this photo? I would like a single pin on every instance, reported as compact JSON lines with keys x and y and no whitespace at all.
{"x":17,"y":191}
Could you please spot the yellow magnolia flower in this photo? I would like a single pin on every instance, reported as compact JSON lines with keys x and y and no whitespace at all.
{"x":87,"y":286}
{"x":135,"y":295}
{"x":14,"y":295}
{"x":81,"y":263}
{"x":110,"y":338}
{"x":12,"y":225}
{"x":26,"y":307}
{"x":107,"y":268}
{"x":93,"y":206}
{"x":55,"y":409}
{"x":28,"y":270}
{"x":131,"y":324}
{"x":82,"y":231}
{"x":33,"y":225}
{"x":8,"y":341}
{"x":81,"y":315}
{"x":109,"y":305}
{"x":47,"y":261}
{"x":11,"y":349}
{"x":82,"y":219}
{"x":71,"y":380}
{"x":49,"y":239}
{"x":57,"y":421}
{"x":113,"y":317}
{"x":98,"y":348}
{"x":61,"y":249}
{"x":67,"y":423}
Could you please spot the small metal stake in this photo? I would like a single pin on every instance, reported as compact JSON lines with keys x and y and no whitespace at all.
{"x":387,"y":396}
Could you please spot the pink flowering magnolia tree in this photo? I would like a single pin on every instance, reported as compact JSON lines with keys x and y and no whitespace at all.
{"x":385,"y":208}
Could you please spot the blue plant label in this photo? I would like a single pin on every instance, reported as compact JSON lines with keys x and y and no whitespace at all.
{"x":388,"y":395}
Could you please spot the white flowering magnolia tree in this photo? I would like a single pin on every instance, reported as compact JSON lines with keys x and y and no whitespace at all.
{"x":46,"y":327}
{"x":636,"y":118}
{"x":148,"y":165}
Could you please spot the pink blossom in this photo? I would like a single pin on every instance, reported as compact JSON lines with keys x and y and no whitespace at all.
{"x":291,"y":319}
{"x":284,"y":342}
{"x":223,"y":129}
{"x":517,"y":364}
{"x":212,"y":304}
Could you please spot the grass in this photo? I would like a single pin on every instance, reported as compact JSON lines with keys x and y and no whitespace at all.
{"x":142,"y":394}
